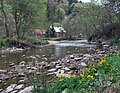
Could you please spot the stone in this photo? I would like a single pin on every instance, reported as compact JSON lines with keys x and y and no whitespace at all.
{"x":15,"y":91}
{"x":62,"y":71}
{"x":34,"y":68}
{"x":78,"y":59}
{"x":83,"y":64}
{"x":33,"y":57}
{"x":22,"y":63}
{"x":10,"y":88}
{"x":19,"y":87}
{"x":0,"y":81}
{"x":4,"y":77}
{"x":73,"y":68}
{"x":3,"y":71}
{"x":71,"y":56}
{"x":58,"y":67}
{"x":32,"y":71}
{"x":49,"y":74}
{"x":1,"y":90}
{"x":23,"y":55}
{"x":28,"y":67}
{"x":86,"y":55}
{"x":68,"y":61}
{"x":66,"y":69}
{"x":21,"y":74}
{"x":52,"y":70}
{"x":27,"y":90}
{"x":11,"y":65}
{"x":48,"y":66}
{"x":23,"y":81}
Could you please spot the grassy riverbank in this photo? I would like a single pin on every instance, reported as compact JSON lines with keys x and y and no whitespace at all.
{"x":5,"y":42}
{"x":101,"y":78}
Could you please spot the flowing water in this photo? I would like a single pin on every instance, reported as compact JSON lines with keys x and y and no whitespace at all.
{"x":51,"y":52}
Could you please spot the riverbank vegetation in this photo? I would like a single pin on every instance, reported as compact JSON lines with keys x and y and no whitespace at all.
{"x":22,"y":43}
{"x":93,"y":20}
{"x":30,"y":23}
{"x":101,"y":78}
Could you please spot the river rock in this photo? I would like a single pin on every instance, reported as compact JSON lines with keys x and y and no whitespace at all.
{"x":21,"y":74}
{"x":32,"y":71}
{"x":4,"y":77}
{"x":10,"y":88}
{"x":3,"y":71}
{"x":23,"y":81}
{"x":11,"y":65}
{"x":23,"y":55}
{"x":78,"y":59}
{"x":73,"y":68}
{"x":27,"y":90}
{"x":71,"y":56}
{"x":83,"y":64}
{"x":22,"y":63}
{"x":86,"y":55}
{"x":57,"y":66}
{"x":19,"y":87}
{"x":0,"y":81}
{"x":15,"y":91}
{"x":1,"y":90}
{"x":28,"y":67}
{"x":34,"y":68}
{"x":66,"y":69}
{"x":49,"y":74}
{"x":52,"y":70}
{"x":48,"y":66}
{"x":33,"y":57}
{"x":68,"y":61}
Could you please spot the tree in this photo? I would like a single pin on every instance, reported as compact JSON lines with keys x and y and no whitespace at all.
{"x":26,"y":14}
{"x":2,"y":3}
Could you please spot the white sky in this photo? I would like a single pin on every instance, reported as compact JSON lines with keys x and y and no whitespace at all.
{"x":85,"y":0}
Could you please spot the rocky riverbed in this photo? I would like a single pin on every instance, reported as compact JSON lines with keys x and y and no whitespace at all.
{"x":69,"y":64}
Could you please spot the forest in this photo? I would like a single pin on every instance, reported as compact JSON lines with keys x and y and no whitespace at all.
{"x":92,"y":20}
{"x":59,"y":46}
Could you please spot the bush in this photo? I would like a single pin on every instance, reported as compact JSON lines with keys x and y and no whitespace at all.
{"x":114,"y":41}
{"x":99,"y":78}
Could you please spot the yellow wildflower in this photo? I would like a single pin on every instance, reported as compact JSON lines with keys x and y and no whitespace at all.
{"x":88,"y":69}
{"x":93,"y":69}
{"x":89,"y":76}
{"x":81,"y":75}
{"x":102,"y":61}
{"x":61,"y":75}
{"x":92,"y":77}
{"x":74,"y":76}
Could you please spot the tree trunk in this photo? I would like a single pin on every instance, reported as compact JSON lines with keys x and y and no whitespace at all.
{"x":5,"y":19}
{"x":17,"y":25}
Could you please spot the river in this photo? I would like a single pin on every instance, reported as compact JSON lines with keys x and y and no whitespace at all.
{"x":50,"y":52}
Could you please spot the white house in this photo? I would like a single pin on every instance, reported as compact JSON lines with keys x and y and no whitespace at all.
{"x":59,"y":31}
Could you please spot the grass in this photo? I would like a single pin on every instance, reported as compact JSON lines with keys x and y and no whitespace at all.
{"x":25,"y":40}
{"x":101,"y":78}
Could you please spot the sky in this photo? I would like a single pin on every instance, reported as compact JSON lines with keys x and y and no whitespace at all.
{"x":85,"y":0}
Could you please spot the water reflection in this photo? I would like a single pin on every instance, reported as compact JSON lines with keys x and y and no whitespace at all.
{"x":57,"y":51}
{"x":52,"y":52}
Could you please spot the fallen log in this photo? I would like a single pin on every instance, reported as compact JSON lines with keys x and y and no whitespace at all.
{"x":19,"y":44}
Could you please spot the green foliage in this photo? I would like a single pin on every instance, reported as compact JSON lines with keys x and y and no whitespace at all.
{"x":97,"y":79}
{"x":114,"y":41}
{"x":28,"y":14}
{"x":56,"y":24}
{"x":25,"y":40}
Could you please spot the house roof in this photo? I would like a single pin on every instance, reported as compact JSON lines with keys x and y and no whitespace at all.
{"x":59,"y":29}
